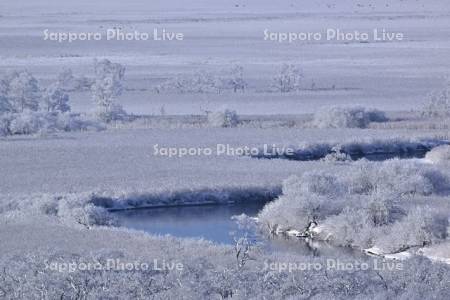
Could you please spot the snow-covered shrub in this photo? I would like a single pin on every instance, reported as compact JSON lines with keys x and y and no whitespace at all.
{"x":71,"y":209}
{"x":305,"y":199}
{"x":197,"y":83}
{"x":55,"y":99}
{"x":384,"y":227}
{"x":88,"y":215}
{"x":351,"y":228}
{"x":439,"y":154}
{"x":293,"y":212}
{"x":392,"y":177}
{"x":417,"y":229}
{"x":107,"y":87}
{"x":395,"y":177}
{"x":75,"y":122}
{"x":27,"y":122}
{"x":357,"y":206}
{"x":223,"y":118}
{"x":347,"y":117}
{"x":288,"y":79}
{"x":381,"y":210}
{"x":205,"y":82}
{"x":319,"y":183}
{"x":30,"y":122}
{"x":77,"y":209}
{"x":359,"y":223}
{"x":337,"y":155}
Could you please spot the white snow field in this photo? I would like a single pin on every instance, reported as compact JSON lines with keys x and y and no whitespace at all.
{"x":389,"y":75}
{"x":338,"y":140}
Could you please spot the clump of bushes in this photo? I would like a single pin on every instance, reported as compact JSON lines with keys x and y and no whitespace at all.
{"x":365,"y":205}
{"x":71,"y":209}
{"x":205,"y":82}
{"x":26,"y":108}
{"x":30,"y":122}
{"x":347,"y":117}
{"x":223,"y":118}
{"x":288,"y":79}
{"x":199,"y":82}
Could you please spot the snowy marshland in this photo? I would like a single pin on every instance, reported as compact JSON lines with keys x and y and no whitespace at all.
{"x":224,"y":164}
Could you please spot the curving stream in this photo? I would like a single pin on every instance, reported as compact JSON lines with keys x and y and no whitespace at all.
{"x":211,"y":222}
{"x":215,"y":223}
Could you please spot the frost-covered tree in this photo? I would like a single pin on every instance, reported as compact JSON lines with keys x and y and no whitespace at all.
{"x":23,"y":92}
{"x":305,"y":199}
{"x":107,"y":88}
{"x":288,"y":79}
{"x":364,"y":206}
{"x":417,"y":229}
{"x":55,"y":99}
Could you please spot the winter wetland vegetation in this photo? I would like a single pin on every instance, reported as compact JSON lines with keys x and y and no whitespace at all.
{"x":224,"y":149}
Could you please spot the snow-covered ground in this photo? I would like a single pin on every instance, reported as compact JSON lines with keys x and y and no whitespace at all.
{"x":126,"y":160}
{"x":389,"y":75}
{"x":57,"y":189}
